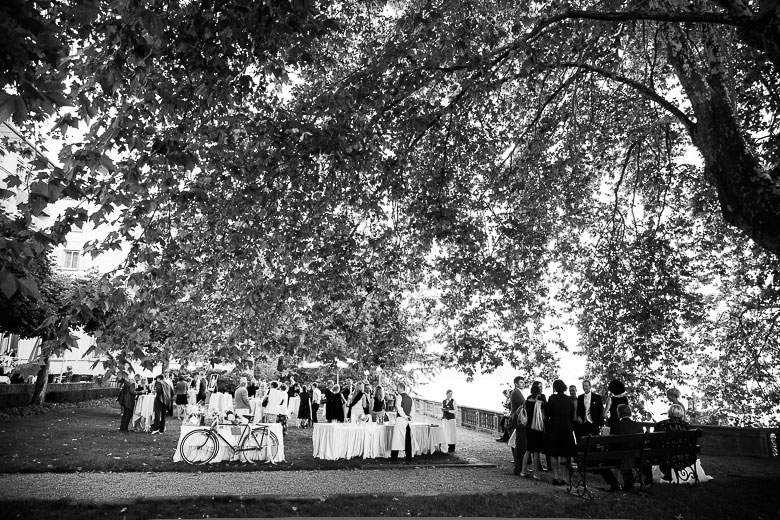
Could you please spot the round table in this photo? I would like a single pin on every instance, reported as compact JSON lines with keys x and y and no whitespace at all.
{"x":143,"y":412}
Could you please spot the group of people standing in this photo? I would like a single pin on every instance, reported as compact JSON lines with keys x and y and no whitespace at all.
{"x":552,"y":426}
{"x":167,"y":395}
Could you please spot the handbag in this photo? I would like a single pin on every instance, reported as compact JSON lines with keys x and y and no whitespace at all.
{"x":520,"y":418}
{"x":538,"y":421}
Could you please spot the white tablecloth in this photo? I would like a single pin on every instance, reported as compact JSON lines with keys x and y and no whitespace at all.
{"x":224,"y":452}
{"x":256,"y":409}
{"x":144,"y":411}
{"x":220,"y":402}
{"x":293,"y":404}
{"x":333,"y":441}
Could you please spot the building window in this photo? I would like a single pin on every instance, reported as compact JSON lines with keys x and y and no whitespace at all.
{"x":71,"y":260}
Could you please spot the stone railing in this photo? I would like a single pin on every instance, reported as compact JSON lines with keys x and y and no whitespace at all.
{"x":716,"y":440}
{"x":467,"y":417}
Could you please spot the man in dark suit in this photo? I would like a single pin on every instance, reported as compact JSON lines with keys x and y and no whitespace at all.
{"x":163,"y":396}
{"x":590,"y":412}
{"x":516,"y":402}
{"x":130,"y":389}
{"x":626,"y":426}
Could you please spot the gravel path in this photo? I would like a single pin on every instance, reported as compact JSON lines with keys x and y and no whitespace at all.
{"x":409,"y":480}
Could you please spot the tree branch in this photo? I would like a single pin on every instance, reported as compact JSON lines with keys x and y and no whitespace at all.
{"x":631,"y":16}
{"x":636,"y":85}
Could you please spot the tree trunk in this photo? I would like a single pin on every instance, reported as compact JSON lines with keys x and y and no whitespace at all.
{"x":41,"y":382}
{"x":749,"y":195}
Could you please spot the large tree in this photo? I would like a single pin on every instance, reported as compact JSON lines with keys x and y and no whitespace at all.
{"x":275,"y":160}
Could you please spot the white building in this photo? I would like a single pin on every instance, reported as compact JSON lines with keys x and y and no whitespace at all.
{"x":69,"y":257}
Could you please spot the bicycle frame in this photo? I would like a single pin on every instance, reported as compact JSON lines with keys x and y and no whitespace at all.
{"x":244,"y":434}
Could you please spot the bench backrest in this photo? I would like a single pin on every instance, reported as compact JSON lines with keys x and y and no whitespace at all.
{"x":678,"y":449}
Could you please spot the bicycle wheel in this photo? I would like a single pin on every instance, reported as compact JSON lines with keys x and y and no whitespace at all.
{"x":198,"y":447}
{"x":259,"y":445}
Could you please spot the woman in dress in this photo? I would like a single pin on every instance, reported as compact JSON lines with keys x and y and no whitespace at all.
{"x":617,"y":396}
{"x":535,"y":410}
{"x":560,"y":436}
{"x":378,"y":404}
{"x":304,"y":409}
{"x":181,"y":397}
{"x":677,"y":422}
{"x":336,"y":404}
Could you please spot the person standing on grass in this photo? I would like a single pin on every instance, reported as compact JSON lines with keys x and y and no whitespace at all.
{"x":251,"y":388}
{"x":378,"y":404}
{"x":162,"y":400}
{"x":304,"y":409}
{"x":241,"y":399}
{"x":169,"y":382}
{"x":130,"y":389}
{"x":355,"y":399}
{"x":316,"y":397}
{"x":200,"y":388}
{"x":560,"y":437}
{"x":590,"y":412}
{"x":402,"y":431}
{"x":449,"y":411}
{"x":181,"y":397}
{"x":516,"y":403}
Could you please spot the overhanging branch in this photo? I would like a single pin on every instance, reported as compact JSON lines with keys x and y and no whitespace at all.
{"x":636,"y":85}
{"x":630,"y":16}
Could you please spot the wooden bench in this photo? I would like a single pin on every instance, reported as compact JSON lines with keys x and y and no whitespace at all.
{"x":595,"y":454}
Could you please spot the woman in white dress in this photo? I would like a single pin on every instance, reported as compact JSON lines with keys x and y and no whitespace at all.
{"x":449,"y":411}
{"x":677,"y":475}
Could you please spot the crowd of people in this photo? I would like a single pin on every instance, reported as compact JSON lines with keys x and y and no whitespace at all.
{"x":543,"y":432}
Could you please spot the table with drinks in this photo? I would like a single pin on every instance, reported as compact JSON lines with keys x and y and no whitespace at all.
{"x":333,"y":441}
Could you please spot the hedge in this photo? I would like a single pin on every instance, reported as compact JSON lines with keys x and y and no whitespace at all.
{"x":12,"y":396}
{"x":75,"y":396}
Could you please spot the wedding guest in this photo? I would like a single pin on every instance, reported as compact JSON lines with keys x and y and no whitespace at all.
{"x":130,"y":389}
{"x":535,"y":410}
{"x":272,"y":402}
{"x":673,"y":394}
{"x":200,"y":387}
{"x":316,"y":398}
{"x":617,"y":391}
{"x":560,"y":437}
{"x":284,"y":412}
{"x":448,"y":419}
{"x":503,"y":425}
{"x":181,"y":397}
{"x":167,"y":379}
{"x":367,"y":398}
{"x":335,"y":405}
{"x":547,"y":462}
{"x":251,"y":388}
{"x":516,"y":403}
{"x":305,"y":408}
{"x":675,"y":422}
{"x":355,"y":399}
{"x":378,"y":406}
{"x":163,"y":395}
{"x":627,"y":426}
{"x":590,"y":412}
{"x":241,"y":399}
{"x":326,"y":391}
{"x":346,"y":392}
{"x":402,"y":431}
{"x":192,"y":393}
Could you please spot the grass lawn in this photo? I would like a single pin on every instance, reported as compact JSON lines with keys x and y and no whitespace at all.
{"x":86,"y":439}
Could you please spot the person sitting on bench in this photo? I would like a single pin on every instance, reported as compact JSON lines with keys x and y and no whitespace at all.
{"x":626,"y":426}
